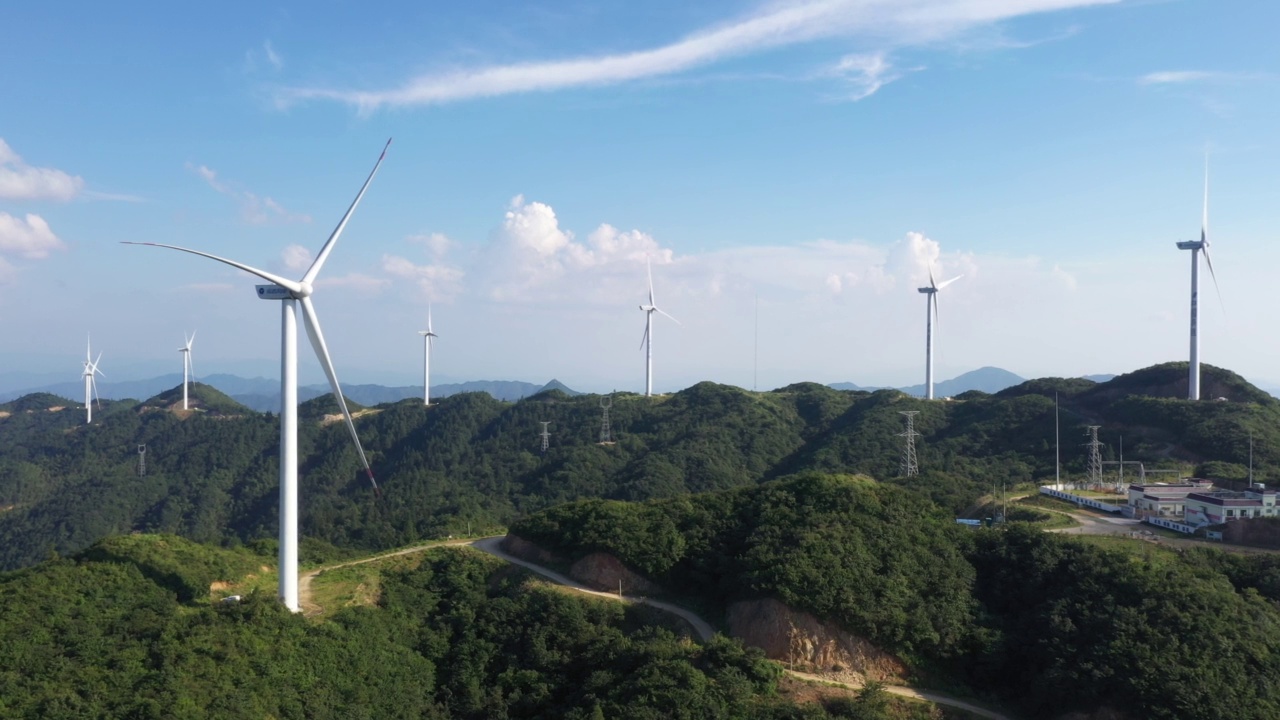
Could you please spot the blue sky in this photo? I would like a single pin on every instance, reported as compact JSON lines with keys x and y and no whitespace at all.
{"x":816,"y":155}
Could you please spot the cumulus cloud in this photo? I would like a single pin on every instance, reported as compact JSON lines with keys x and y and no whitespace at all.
{"x":20,"y":181}
{"x":296,"y":258}
{"x":435,"y":281}
{"x":254,"y":210}
{"x":888,"y":23}
{"x":29,"y":238}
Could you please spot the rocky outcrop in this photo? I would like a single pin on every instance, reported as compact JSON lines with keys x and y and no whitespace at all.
{"x":803,"y":642}
{"x":603,"y":571}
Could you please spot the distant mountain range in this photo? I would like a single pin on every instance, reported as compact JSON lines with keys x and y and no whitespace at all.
{"x":985,"y":379}
{"x":263,"y":394}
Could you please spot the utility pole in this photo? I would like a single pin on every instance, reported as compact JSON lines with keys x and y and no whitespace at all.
{"x":909,"y":466}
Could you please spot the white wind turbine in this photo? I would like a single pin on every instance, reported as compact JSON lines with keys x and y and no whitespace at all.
{"x":291,"y":294}
{"x":931,"y":311}
{"x":90,"y":383}
{"x":647,"y":341}
{"x":426,"y":358}
{"x":187,"y":370}
{"x":1196,"y":246}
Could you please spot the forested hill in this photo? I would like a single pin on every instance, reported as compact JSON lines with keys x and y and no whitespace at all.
{"x":473,"y":460}
{"x":1049,"y":623}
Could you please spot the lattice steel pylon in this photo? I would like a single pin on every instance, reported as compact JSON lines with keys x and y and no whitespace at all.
{"x":606,"y":436}
{"x":909,"y":466}
{"x":1094,"y":466}
{"x":142,"y":461}
{"x":546,"y":436}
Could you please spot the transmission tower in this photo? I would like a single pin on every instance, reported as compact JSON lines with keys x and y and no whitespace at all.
{"x":546,"y":436}
{"x":1095,"y":456}
{"x":606,"y":436}
{"x":142,"y":461}
{"x":909,"y":466}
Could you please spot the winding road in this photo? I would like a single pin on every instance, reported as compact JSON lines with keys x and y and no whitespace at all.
{"x":702,"y":628}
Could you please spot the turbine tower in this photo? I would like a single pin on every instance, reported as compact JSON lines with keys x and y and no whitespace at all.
{"x":426,"y":358}
{"x":1196,"y":247}
{"x":187,"y":371}
{"x":931,"y":311}
{"x":646,"y":342}
{"x":90,"y":382}
{"x":291,"y":294}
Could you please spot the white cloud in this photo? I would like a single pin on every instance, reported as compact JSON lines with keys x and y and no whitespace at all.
{"x":296,"y":258}
{"x":864,"y":74}
{"x":30,"y":238}
{"x":19,"y":181}
{"x":254,"y":210}
{"x":355,"y":281}
{"x":1168,"y":77}
{"x":273,"y":57}
{"x":887,"y":23}
{"x":435,"y":282}
{"x":437,"y":244}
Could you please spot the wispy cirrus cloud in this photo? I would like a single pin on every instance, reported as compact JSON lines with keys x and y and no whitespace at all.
{"x":254,"y":210}
{"x":863,"y":75}
{"x":887,"y":23}
{"x":1171,"y":77}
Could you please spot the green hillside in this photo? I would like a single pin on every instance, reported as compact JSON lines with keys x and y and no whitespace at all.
{"x":1046,"y":622}
{"x":115,"y":632}
{"x":200,"y":398}
{"x":471,"y":460}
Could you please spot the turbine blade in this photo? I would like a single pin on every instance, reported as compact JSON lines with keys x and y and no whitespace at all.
{"x":189,"y":342}
{"x":1204,"y":218}
{"x":269,"y":277}
{"x":648,"y":267}
{"x":1216,"y":289}
{"x":664,"y":312}
{"x":93,"y":382}
{"x":95,"y":365}
{"x":645,"y":338}
{"x":936,"y":317}
{"x":950,"y":281}
{"x":322,"y":354}
{"x":314,"y":270}
{"x":428,"y":317}
{"x":932,"y":284}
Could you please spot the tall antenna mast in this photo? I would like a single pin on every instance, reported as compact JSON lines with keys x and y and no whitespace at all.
{"x":142,"y":461}
{"x":546,"y":436}
{"x":755,"y":370}
{"x":1095,"y":456}
{"x":606,"y":437}
{"x":909,"y":466}
{"x":1057,"y":447}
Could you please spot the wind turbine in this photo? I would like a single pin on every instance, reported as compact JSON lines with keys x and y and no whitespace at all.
{"x":291,"y":294}
{"x":647,"y":341}
{"x":187,"y":370}
{"x":931,"y":311}
{"x":90,"y":383}
{"x":1196,"y":246}
{"x":426,"y":358}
